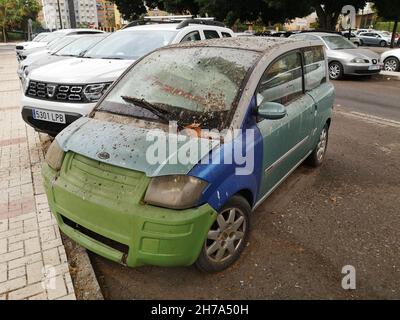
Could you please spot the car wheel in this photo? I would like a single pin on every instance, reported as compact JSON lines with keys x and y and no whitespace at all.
{"x":317,"y":157}
{"x":383,"y":44}
{"x":361,"y":43}
{"x":227,"y":237}
{"x":392,"y":64}
{"x":335,"y":71}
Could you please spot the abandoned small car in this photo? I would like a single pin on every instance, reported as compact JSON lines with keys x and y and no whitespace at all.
{"x":171,"y":164}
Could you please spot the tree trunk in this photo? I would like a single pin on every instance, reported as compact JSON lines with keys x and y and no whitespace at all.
{"x":396,"y":23}
{"x":4,"y":34}
{"x":326,"y":20}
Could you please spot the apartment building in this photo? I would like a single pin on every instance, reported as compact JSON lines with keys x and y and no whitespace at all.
{"x":58,"y":14}
{"x":55,"y":14}
{"x":86,"y":13}
{"x":106,"y":14}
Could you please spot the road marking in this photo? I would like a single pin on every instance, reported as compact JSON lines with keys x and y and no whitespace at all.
{"x":370,"y":118}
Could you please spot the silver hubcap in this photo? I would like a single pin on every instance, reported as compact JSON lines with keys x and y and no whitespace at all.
{"x":321,"y":148}
{"x":334,"y":71}
{"x":226,"y":235}
{"x":391,"y":65}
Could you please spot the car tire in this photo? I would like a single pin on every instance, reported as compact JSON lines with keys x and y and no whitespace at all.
{"x":392,"y":64}
{"x":383,"y":44}
{"x":317,"y":157}
{"x":336,"y":71}
{"x":361,"y":43}
{"x":230,"y":230}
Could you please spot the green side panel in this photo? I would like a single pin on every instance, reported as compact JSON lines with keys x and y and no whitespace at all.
{"x":107,"y":200}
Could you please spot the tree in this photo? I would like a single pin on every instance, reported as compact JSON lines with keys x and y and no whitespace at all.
{"x":269,"y":11}
{"x":390,"y":10}
{"x":328,"y":11}
{"x":15,"y":14}
{"x":131,"y":9}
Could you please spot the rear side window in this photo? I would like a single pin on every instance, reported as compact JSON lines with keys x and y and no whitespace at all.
{"x":226,"y":35}
{"x":315,"y":68}
{"x":283,"y":80}
{"x":193,"y":36}
{"x":211,"y":34}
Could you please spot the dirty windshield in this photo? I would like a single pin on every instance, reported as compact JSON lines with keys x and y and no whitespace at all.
{"x":192,"y":86}
{"x":338,"y":43}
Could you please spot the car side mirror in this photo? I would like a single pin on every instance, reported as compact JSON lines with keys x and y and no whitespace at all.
{"x":272,"y":111}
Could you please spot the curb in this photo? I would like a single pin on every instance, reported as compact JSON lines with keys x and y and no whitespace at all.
{"x":388,"y":75}
{"x":85,"y":282}
{"x":83,"y":276}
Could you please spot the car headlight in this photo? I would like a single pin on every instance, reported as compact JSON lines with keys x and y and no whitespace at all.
{"x":55,"y":156}
{"x":359,"y":60}
{"x":93,"y":92}
{"x":175,"y":192}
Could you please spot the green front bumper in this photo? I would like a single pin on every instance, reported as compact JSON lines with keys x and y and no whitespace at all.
{"x":97,"y":204}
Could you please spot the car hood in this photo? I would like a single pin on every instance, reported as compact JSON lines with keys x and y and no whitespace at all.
{"x":34,"y":57}
{"x":126,"y":146}
{"x":45,"y":60}
{"x":31,"y":45}
{"x":81,"y":71}
{"x":350,"y":54}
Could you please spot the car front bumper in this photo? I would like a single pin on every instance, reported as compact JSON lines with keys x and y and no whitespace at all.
{"x":124,"y":229}
{"x":72,"y":111}
{"x":360,"y":69}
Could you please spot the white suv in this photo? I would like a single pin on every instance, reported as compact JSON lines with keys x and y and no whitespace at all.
{"x":59,"y":93}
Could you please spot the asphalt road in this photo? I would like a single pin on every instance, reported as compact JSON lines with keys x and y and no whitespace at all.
{"x":317,"y":222}
{"x":376,"y":97}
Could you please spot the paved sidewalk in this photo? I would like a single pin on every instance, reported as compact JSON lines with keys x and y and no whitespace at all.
{"x":33,"y":263}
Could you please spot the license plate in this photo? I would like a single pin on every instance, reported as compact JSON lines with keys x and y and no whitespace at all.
{"x":48,"y":116}
{"x":374,"y":67}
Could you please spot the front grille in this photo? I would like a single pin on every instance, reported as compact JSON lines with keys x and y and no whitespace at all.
{"x":123,"y":248}
{"x":20,"y":47}
{"x":56,"y":92}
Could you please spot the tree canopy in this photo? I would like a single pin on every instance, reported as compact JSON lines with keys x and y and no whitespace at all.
{"x":14,"y":14}
{"x":268,"y":11}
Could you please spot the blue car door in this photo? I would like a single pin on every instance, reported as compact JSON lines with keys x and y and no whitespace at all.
{"x":285,"y":141}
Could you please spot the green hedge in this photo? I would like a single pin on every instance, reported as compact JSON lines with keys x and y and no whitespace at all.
{"x":13,"y":36}
{"x":386,"y":26}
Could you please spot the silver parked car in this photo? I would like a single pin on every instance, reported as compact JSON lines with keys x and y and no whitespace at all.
{"x":375,"y":38}
{"x":343,"y":56}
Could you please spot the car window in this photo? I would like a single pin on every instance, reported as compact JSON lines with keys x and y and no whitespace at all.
{"x":79,"y":46}
{"x":314,"y":67}
{"x":226,"y":35}
{"x":193,"y":36}
{"x":283,"y":80}
{"x":338,"y":43}
{"x":211,"y":34}
{"x":131,"y":44}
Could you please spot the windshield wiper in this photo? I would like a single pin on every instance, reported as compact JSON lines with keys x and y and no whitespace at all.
{"x":113,"y":58}
{"x":159,"y":112}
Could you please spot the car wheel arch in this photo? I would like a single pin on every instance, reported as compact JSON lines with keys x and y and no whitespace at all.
{"x":248,"y":195}
{"x":328,"y":122}
{"x":393,"y":57}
